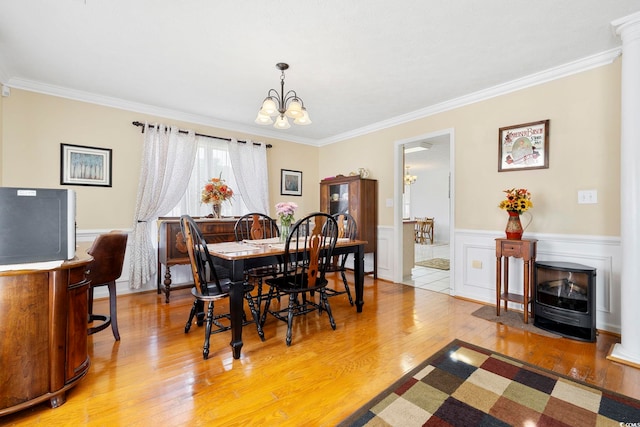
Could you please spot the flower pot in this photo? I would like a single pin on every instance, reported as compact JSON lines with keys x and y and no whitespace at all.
{"x":514,"y":226}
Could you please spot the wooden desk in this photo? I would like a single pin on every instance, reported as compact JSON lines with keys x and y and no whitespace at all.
{"x":238,"y":259}
{"x":525,"y":249}
{"x":43,"y":323}
{"x":172,"y":249}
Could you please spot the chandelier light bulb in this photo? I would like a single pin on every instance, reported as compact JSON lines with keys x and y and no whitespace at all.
{"x":282,"y":122}
{"x":294,"y":110}
{"x":304,"y":119}
{"x":263,"y":119}
{"x":269,"y":107}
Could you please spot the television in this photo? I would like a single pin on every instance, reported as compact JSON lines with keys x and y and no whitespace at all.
{"x":37,"y":225}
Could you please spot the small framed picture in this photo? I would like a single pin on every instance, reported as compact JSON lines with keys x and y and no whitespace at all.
{"x":524,"y":146}
{"x":80,"y":165}
{"x":290,"y":183}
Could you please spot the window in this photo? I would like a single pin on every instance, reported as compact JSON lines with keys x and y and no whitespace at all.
{"x":212,"y":160}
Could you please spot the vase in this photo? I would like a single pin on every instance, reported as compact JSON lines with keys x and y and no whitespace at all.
{"x":514,"y":226}
{"x":284,"y":231}
{"x":216,"y":209}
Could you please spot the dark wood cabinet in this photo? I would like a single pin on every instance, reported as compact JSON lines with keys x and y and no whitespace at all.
{"x":172,"y":250}
{"x":358,"y":197}
{"x":43,"y":325}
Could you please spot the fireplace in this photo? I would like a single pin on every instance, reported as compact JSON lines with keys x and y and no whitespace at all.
{"x":564,"y":300}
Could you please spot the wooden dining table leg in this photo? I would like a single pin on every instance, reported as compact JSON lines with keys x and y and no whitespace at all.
{"x":358,"y":275}
{"x":236,"y":294}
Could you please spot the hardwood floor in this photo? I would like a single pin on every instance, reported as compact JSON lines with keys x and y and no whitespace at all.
{"x":155,"y":376}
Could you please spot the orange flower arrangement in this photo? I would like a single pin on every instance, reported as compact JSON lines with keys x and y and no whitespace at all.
{"x":216,"y":190}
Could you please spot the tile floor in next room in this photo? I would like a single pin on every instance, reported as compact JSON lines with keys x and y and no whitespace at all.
{"x":429,"y":278}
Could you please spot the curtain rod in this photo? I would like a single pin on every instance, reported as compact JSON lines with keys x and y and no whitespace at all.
{"x":140,"y":124}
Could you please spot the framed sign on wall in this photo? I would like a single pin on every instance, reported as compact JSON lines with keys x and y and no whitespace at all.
{"x":524,"y":146}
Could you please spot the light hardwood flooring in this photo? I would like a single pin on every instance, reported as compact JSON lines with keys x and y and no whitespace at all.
{"x":155,"y":376}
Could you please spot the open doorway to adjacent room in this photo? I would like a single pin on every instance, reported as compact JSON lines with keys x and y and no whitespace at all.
{"x":427,"y":194}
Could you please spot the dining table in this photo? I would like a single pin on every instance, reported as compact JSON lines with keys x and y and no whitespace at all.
{"x":238,"y":257}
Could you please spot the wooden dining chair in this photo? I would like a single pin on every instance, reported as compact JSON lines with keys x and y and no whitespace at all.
{"x":347,"y":228}
{"x":208,"y":288}
{"x":427,"y":230}
{"x":417,"y":230}
{"x":256,"y":226}
{"x":308,"y":251}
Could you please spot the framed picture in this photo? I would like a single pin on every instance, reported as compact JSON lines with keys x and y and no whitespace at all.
{"x":524,"y":146}
{"x":290,"y":183}
{"x":80,"y":165}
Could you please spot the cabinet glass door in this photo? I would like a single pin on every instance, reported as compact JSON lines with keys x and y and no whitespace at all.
{"x":338,"y":198}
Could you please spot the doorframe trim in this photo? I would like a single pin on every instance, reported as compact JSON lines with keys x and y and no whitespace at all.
{"x":398,"y":183}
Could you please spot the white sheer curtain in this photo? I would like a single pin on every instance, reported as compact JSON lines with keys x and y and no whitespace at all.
{"x":211,"y":161}
{"x":167,"y":161}
{"x":249,"y":163}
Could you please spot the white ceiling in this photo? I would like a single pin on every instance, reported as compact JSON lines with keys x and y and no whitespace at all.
{"x":356,"y":64}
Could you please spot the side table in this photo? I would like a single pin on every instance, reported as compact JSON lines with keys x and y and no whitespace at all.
{"x":525,"y":249}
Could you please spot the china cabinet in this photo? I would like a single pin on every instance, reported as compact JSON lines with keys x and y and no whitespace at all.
{"x":358,"y":197}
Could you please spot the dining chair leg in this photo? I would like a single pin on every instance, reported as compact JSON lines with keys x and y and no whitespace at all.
{"x":292,"y":303}
{"x":207,"y":332}
{"x":324,"y":301}
{"x":267,"y":304}
{"x":113,"y":309}
{"x":192,"y":314}
{"x":255,"y":314}
{"x":346,"y":287}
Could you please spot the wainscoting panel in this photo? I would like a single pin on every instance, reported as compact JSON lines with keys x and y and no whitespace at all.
{"x":386,"y":256}
{"x":475,"y":267}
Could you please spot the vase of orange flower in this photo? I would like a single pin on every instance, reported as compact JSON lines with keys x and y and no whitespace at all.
{"x":216,"y":191}
{"x":517,"y":202}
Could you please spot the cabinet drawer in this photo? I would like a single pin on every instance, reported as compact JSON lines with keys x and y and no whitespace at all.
{"x":512,"y":249}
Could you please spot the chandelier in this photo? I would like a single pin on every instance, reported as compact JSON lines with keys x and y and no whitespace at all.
{"x":409,"y":179}
{"x":283,"y":105}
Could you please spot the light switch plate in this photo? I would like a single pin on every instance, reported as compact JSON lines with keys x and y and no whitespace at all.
{"x":587,"y":196}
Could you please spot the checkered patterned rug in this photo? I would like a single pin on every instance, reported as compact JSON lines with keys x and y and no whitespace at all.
{"x":466,"y":385}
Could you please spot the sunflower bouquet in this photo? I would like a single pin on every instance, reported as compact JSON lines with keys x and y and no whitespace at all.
{"x":517,"y":200}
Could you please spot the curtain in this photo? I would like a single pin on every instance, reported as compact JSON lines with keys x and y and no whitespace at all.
{"x":167,"y":160}
{"x":211,"y":161}
{"x":249,"y":163}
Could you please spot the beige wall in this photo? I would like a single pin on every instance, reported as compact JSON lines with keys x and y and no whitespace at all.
{"x":584,"y":114}
{"x":34,"y":125}
{"x":584,"y":154}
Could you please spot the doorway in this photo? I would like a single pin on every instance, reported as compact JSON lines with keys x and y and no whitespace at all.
{"x":430,"y":194}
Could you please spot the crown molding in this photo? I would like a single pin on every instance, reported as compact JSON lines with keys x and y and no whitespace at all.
{"x":551,"y":74}
{"x":565,"y":70}
{"x":77,"y":95}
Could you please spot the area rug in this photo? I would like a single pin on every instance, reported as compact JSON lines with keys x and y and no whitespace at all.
{"x":439,"y":263}
{"x":466,"y":385}
{"x":512,"y":319}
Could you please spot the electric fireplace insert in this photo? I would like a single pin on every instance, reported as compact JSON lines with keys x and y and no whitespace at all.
{"x":564,"y":300}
